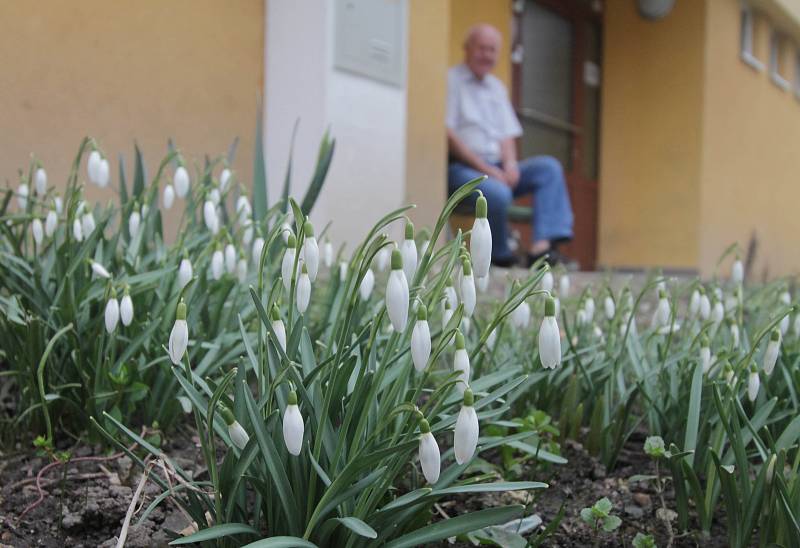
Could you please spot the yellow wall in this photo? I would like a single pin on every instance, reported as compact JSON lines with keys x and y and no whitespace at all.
{"x":426,"y":144}
{"x":466,"y":13}
{"x":750,"y":152}
{"x":119,"y":71}
{"x":650,"y":165}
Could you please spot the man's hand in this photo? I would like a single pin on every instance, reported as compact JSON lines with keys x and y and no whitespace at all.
{"x":496,"y":173}
{"x":511,"y":170}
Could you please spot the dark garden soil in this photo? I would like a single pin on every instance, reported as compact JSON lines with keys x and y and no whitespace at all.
{"x":87,"y":507}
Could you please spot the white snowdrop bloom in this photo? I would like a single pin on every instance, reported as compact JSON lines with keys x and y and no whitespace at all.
{"x":521,"y":316}
{"x":93,"y":166}
{"x":50,"y":223}
{"x":772,"y":351}
{"x":382,"y":258}
{"x":258,"y":248}
{"x":429,"y":457}
{"x":662,"y":314}
{"x":549,"y":337}
{"x":185,"y":273}
{"x":784,"y":325}
{"x":236,"y":431}
{"x":278,"y":327}
{"x":186,"y":404}
{"x":730,"y":378}
{"x":181,"y":182}
{"x":168,"y":196}
{"x":397,"y":294}
{"x":22,"y":196}
{"x":447,"y":314}
{"x":753,"y":384}
{"x":465,"y":440}
{"x":461,"y":363}
{"x":327,"y":254}
{"x":423,"y":248}
{"x":717,"y":312}
{"x":609,"y":307}
{"x":87,"y":224}
{"x":103,"y":173}
{"x":99,"y":270}
{"x":133,"y":224}
{"x":112,"y":313}
{"x":286,"y":230}
{"x":247,"y":233}
{"x":343,"y":266}
{"x":126,"y":309}
{"x":217,"y":264}
{"x":548,"y":281}
{"x":40,"y":181}
{"x":450,"y":295}
{"x":480,"y":239}
{"x":580,"y":317}
{"x":466,"y":325}
{"x":179,"y":336}
{"x":705,"y":355}
{"x":210,"y":217}
{"x":367,"y":283}
{"x":557,"y":302}
{"x":588,"y":307}
{"x":705,"y":306}
{"x":421,"y":339}
{"x":230,"y":259}
{"x":737,"y":271}
{"x":214,"y":196}
{"x":731,"y":302}
{"x":563,"y":286}
{"x":734,"y":334}
{"x":694,"y":303}
{"x":293,"y":427}
{"x":482,"y":284}
{"x":224,"y":179}
{"x":408,"y":249}
{"x":310,"y":251}
{"x":468,"y":297}
{"x":796,"y":325}
{"x":37,"y":229}
{"x":145,"y":210}
{"x":786,"y":298}
{"x":241,"y":270}
{"x":303,"y":290}
{"x":77,"y":230}
{"x":58,"y":203}
{"x":491,"y":339}
{"x":287,"y":263}
{"x":243,"y":208}
{"x":598,"y":333}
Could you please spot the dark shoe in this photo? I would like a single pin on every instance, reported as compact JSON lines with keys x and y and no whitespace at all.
{"x":553,"y":257}
{"x":505,"y":262}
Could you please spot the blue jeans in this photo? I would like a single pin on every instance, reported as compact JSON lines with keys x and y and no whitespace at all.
{"x":541,"y":176}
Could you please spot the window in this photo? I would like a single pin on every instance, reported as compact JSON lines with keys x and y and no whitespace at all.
{"x":746,"y":39}
{"x":778,"y":65}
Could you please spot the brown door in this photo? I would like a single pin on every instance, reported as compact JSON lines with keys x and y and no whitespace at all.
{"x":556,"y":61}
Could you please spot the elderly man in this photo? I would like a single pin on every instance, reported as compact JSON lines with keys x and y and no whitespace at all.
{"x":481,"y":128}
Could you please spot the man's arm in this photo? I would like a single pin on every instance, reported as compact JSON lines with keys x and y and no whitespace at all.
{"x":508,"y":154}
{"x":463,"y":154}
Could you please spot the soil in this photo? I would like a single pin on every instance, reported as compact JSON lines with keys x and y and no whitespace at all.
{"x":87,"y":508}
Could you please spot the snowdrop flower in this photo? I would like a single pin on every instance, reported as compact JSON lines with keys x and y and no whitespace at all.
{"x":773,"y":349}
{"x":210,"y":217}
{"x":22,"y":196}
{"x":224,"y":178}
{"x":303,"y":290}
{"x":558,"y":306}
{"x":278,"y":327}
{"x":737,"y":271}
{"x":293,"y":425}
{"x":343,"y":270}
{"x":796,"y":325}
{"x":466,"y":324}
{"x":461,"y":363}
{"x":214,"y":196}
{"x":367,"y":283}
{"x":100,"y":270}
{"x":126,"y":308}
{"x":468,"y":297}
{"x":547,"y":281}
{"x":133,"y":224}
{"x":247,"y":233}
{"x":310,"y":251}
{"x":50,"y":223}
{"x":563,"y":286}
{"x":482,"y":284}
{"x":588,"y":307}
{"x":705,"y":305}
{"x":734,"y":328}
{"x":521,"y":316}
{"x":38,"y":231}
{"x":217,"y":264}
{"x":609,"y":307}
{"x":103,"y":173}
{"x":466,"y":433}
{"x":753,"y":384}
{"x":285,"y":231}
{"x":447,"y":314}
{"x":728,"y":373}
{"x":694,"y":303}
{"x":237,"y":433}
{"x":93,"y":167}
{"x":450,"y":295}
{"x":327,"y":254}
{"x":258,"y":247}
{"x":168,"y":197}
{"x":717,"y":312}
{"x":598,"y":333}
{"x":241,"y":270}
{"x":480,"y":239}
{"x":705,"y":355}
{"x":549,"y":337}
{"x":87,"y":224}
{"x":408,"y":249}
{"x":230,"y":258}
{"x":663,"y":312}
{"x":421,"y":339}
{"x":179,"y":336}
{"x":40,"y":181}
{"x":429,"y":456}
{"x":145,"y":210}
{"x":580,"y":317}
{"x":181,"y":181}
{"x":784,"y":325}
{"x":185,"y":272}
{"x":287,"y":264}
{"x":77,"y":230}
{"x":243,"y":209}
{"x":786,"y":298}
{"x":397,"y":293}
{"x":491,"y":339}
{"x":112,"y":313}
{"x":58,"y":203}
{"x":382,"y":258}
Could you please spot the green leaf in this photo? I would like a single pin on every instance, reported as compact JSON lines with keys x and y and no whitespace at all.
{"x":357,"y":526}
{"x":217,"y":531}
{"x":260,"y":202}
{"x":603,"y":506}
{"x":281,"y":542}
{"x":789,"y":435}
{"x":611,"y":523}
{"x":324,"y":158}
{"x":490,"y":487}
{"x":693,"y":416}
{"x":587,"y":516}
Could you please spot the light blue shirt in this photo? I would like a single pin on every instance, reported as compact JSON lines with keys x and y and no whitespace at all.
{"x":480,"y":112}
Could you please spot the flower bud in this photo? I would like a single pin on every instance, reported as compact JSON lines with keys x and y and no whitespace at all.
{"x":287,"y":264}
{"x":753,"y":384}
{"x":112,"y":313}
{"x":480,"y":240}
{"x":210,"y":216}
{"x":310,"y":251}
{"x":103,"y":173}
{"x":783,"y":326}
{"x":609,"y":307}
{"x":87,"y":224}
{"x":491,"y":339}
{"x":237,"y":433}
{"x":303,"y":290}
{"x":214,"y":196}
{"x":694,"y":303}
{"x":243,"y":209}
{"x":465,"y":440}
{"x":77,"y":230}
{"x":737,"y":271}
{"x":100,"y":270}
{"x":179,"y":336}
{"x":343,"y":266}
{"x":705,"y":355}
{"x":22,"y":196}
{"x":588,"y":307}
{"x":293,"y":427}
{"x":772,"y":351}
{"x":230,"y":258}
{"x":327,"y":254}
{"x":705,"y":305}
{"x":367,"y":283}
{"x":521,"y":316}
{"x":241,"y":270}
{"x":185,"y":273}
{"x":278,"y":327}
{"x":217,"y":264}
{"x":468,"y":296}
{"x":168,"y":197}
{"x":126,"y":308}
{"x":247,"y":233}
{"x":258,"y":247}
{"x":37,"y":229}
{"x":429,"y":457}
{"x":549,"y":337}
{"x":181,"y":182}
{"x":421,"y":339}
{"x":58,"y":204}
{"x":382,"y":258}
{"x":93,"y":167}
{"x":224,"y":179}
{"x":408,"y":249}
{"x":50,"y":223}
{"x":450,"y":295}
{"x":461,"y":363}
{"x":563,"y":286}
{"x":397,"y":294}
{"x":663,"y":312}
{"x":133,"y":224}
{"x":40,"y":181}
{"x":447,"y":314}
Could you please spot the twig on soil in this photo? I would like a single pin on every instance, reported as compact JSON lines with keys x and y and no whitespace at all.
{"x":46,"y":482}
{"x":123,"y":534}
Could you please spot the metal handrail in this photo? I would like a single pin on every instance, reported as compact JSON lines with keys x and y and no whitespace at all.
{"x":547,"y":119}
